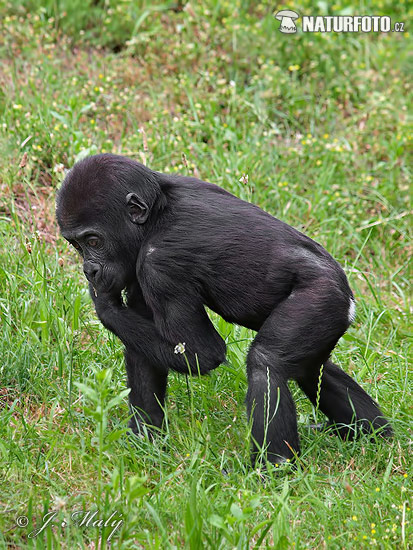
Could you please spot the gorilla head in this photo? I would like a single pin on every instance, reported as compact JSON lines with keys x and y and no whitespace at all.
{"x":104,"y":209}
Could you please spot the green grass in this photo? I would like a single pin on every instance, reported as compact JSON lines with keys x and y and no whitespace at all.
{"x":322,"y":126}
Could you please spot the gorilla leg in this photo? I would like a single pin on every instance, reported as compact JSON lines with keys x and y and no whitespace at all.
{"x":272,"y":409}
{"x":343,"y":401}
{"x":148,"y":389}
{"x":299,"y":334}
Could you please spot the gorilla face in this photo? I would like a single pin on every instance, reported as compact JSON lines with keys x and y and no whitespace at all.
{"x":106,"y":264}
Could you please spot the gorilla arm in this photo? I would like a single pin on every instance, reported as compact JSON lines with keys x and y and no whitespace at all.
{"x":157,"y":340}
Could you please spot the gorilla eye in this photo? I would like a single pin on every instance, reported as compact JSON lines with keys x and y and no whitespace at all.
{"x":92,"y":242}
{"x":75,"y":245}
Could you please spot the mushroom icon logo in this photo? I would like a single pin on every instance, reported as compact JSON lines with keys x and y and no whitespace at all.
{"x":287,"y":18}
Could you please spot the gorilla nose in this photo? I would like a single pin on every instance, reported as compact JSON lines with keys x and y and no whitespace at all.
{"x":90,"y":269}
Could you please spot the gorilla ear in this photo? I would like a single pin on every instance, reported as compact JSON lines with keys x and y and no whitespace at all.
{"x":138,"y":210}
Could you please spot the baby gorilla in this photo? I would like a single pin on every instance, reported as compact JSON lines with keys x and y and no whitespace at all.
{"x":177,"y":244}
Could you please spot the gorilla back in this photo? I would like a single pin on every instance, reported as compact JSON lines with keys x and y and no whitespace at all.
{"x":178,"y":244}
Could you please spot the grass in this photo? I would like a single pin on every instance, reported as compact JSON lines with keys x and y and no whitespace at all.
{"x":321,"y":124}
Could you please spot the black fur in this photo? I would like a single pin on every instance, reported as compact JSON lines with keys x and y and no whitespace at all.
{"x":177,"y":244}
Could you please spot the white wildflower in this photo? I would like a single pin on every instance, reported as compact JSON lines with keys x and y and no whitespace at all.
{"x":180,"y":348}
{"x":244,"y":179}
